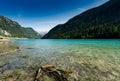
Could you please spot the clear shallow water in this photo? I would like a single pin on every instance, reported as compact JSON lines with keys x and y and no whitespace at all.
{"x":72,"y":55}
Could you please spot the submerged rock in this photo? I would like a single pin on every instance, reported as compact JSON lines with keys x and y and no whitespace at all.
{"x":25,"y":56}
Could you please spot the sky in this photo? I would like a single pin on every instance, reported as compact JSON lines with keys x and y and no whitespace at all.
{"x":42,"y":15}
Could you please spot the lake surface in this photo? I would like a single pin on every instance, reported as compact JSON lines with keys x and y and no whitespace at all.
{"x":89,"y":59}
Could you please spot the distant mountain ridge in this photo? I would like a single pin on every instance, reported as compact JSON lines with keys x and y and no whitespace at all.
{"x":42,"y":33}
{"x":98,"y":22}
{"x":9,"y":28}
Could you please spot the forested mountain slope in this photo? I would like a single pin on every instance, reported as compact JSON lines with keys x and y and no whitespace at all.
{"x":9,"y":28}
{"x":98,"y":22}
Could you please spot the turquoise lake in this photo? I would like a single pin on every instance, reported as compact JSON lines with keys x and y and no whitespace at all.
{"x":99,"y":59}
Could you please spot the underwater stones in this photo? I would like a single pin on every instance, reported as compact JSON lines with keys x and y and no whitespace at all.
{"x":25,"y":56}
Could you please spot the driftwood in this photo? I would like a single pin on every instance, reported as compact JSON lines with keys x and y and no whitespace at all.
{"x":47,"y":67}
{"x":29,"y":48}
{"x":11,"y":51}
{"x":37,"y":75}
{"x":4,"y":65}
{"x":51,"y":71}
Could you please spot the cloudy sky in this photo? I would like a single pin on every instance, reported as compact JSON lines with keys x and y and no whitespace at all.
{"x":42,"y":15}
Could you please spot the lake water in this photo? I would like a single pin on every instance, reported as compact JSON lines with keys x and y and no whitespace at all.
{"x":89,"y":59}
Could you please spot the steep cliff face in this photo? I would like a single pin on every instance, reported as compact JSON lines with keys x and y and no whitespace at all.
{"x":98,"y":22}
{"x":11,"y":28}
